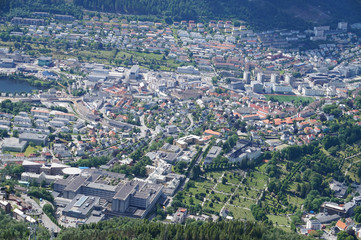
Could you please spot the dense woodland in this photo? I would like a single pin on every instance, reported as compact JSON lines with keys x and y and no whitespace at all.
{"x":124,"y":228}
{"x":12,"y":229}
{"x":262,"y":14}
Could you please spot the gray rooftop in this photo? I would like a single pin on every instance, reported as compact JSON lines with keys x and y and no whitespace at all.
{"x":75,"y":184}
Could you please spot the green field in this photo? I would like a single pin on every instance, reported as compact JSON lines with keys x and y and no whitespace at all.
{"x":288,"y":98}
{"x":29,"y":150}
{"x":240,"y":213}
{"x":279,"y":220}
{"x":228,"y":188}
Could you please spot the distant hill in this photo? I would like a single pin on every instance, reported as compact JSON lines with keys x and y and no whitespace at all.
{"x":261,"y":14}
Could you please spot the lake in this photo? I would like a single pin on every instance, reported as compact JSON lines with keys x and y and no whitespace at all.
{"x":15,"y":86}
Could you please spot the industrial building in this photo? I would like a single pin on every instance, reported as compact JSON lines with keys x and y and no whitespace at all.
{"x":129,"y":198}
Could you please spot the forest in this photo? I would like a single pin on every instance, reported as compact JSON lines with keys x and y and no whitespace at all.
{"x":12,"y":229}
{"x":126,"y":228}
{"x":260,"y":15}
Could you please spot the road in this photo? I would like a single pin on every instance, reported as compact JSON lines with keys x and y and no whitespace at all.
{"x":35,"y":207}
{"x":144,"y":128}
{"x":46,"y":220}
{"x":49,"y":224}
{"x":192,"y":122}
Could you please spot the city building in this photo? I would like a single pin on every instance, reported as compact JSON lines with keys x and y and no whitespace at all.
{"x":82,"y":206}
{"x":14,"y":145}
{"x":212,"y":154}
{"x":45,"y":61}
{"x":38,"y":139}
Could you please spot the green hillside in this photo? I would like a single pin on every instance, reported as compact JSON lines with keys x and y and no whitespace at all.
{"x":124,"y":228}
{"x":260,"y":14}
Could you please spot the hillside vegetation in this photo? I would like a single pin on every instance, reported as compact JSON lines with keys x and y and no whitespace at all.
{"x":125,"y":228}
{"x":259,"y":14}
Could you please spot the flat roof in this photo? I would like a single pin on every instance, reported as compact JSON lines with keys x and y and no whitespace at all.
{"x":81,"y":201}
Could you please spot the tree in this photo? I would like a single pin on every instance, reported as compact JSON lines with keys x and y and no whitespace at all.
{"x":196,"y":171}
{"x":180,"y":167}
{"x":258,"y":213}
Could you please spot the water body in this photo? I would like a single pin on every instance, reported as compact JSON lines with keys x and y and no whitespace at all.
{"x":15,"y":86}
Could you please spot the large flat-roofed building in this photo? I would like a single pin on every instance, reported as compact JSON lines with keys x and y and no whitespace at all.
{"x":39,"y":178}
{"x":98,"y":189}
{"x":134,"y":72}
{"x":38,"y":139}
{"x":190,"y":139}
{"x":130,"y":198}
{"x":14,"y":145}
{"x":81,"y":206}
{"x":68,"y":116}
{"x":345,"y":210}
{"x":30,"y":166}
{"x":45,"y":61}
{"x":212,"y":154}
{"x":41,"y":112}
{"x":136,"y":198}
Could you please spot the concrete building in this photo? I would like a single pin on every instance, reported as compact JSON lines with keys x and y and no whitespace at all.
{"x":81,"y":206}
{"x":257,"y":87}
{"x":68,"y":116}
{"x":141,"y":196}
{"x":5,"y":206}
{"x":281,"y":89}
{"x":190,"y":139}
{"x":274,"y":78}
{"x":38,"y":139}
{"x":14,"y":145}
{"x":134,"y":72}
{"x":344,"y":211}
{"x":313,"y":224}
{"x":39,"y":178}
{"x":188,"y":70}
{"x":342,"y":26}
{"x":130,"y":198}
{"x":260,"y":77}
{"x":246,"y":77}
{"x":180,"y":216}
{"x":31,"y":167}
{"x":45,"y":61}
{"x":212,"y":154}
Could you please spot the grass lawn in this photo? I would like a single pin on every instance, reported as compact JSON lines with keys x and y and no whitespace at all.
{"x":278,"y":220}
{"x":286,"y":229}
{"x":257,"y":180}
{"x":216,"y":206}
{"x":194,"y":191}
{"x":219,"y":197}
{"x":29,"y":150}
{"x":249,"y":193}
{"x":262,"y":168}
{"x":187,"y":198}
{"x":234,"y":178}
{"x":240,"y":213}
{"x":289,"y":98}
{"x":214,"y":175}
{"x":243,"y":202}
{"x":204,"y":183}
{"x":225,"y":188}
